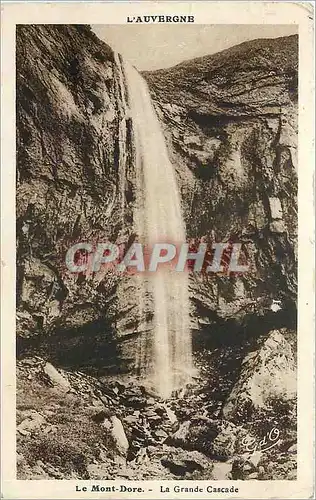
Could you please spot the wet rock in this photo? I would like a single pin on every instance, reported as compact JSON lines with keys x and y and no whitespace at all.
{"x":171,"y":415}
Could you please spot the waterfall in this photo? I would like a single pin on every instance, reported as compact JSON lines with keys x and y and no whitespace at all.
{"x":158,"y":218}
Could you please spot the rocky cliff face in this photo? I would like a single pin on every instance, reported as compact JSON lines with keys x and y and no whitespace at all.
{"x":73,"y":150}
{"x":231,"y":126}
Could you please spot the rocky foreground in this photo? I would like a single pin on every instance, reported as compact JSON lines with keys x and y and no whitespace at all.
{"x":74,"y":426}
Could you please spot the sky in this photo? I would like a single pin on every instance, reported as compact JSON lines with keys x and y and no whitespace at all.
{"x":151,"y":46}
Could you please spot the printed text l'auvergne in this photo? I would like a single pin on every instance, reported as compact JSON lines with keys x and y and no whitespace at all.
{"x":160,"y":19}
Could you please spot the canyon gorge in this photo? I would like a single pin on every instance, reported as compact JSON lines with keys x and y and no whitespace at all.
{"x":204,"y":151}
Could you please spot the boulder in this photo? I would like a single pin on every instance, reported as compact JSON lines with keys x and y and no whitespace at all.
{"x":268,"y":374}
{"x":160,"y":434}
{"x":171,"y":415}
{"x":119,"y":436}
{"x":33,"y":423}
{"x":216,"y":438}
{"x":136,"y":402}
{"x":221,"y":471}
{"x":181,"y":467}
{"x":181,"y":463}
{"x":55,"y":378}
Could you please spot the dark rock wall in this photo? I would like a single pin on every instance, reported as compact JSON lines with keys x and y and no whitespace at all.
{"x":230,"y":120}
{"x":230,"y":124}
{"x":70,"y":162}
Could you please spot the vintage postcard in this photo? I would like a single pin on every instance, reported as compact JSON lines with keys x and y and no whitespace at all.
{"x":157,"y":250}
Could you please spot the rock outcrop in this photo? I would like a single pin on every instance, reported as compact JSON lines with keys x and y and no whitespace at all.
{"x":94,"y":432}
{"x":267,"y":376}
{"x":73,"y":150}
{"x":231,"y":126}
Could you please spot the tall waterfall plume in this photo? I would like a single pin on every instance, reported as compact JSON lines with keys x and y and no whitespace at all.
{"x":158,"y":218}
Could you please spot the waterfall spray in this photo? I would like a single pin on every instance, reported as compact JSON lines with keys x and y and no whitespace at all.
{"x":158,"y":218}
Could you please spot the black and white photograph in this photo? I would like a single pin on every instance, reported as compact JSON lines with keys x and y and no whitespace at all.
{"x":156,"y":373}
{"x":156,"y":267}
